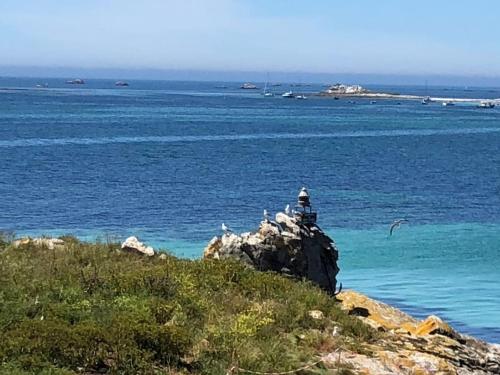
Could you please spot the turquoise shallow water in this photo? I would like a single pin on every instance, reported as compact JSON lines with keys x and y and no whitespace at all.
{"x":447,"y":270}
{"x":170,"y":161}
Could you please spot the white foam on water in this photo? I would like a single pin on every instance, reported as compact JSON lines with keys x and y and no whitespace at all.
{"x":33,"y":142}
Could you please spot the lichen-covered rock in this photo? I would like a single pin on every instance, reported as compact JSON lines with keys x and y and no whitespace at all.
{"x":285,"y":246}
{"x":134,"y":245}
{"x":409,"y":346}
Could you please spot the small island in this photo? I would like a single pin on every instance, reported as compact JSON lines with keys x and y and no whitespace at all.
{"x":345,"y":90}
{"x":340,"y":90}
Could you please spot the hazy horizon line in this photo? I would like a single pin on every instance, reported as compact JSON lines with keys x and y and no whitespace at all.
{"x":169,"y":74}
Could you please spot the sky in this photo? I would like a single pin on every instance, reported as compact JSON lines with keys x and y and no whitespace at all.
{"x":449,"y":37}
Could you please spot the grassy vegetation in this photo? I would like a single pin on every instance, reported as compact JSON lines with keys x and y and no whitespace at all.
{"x":89,"y":308}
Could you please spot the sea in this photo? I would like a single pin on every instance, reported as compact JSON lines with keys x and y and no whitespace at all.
{"x":170,"y":161}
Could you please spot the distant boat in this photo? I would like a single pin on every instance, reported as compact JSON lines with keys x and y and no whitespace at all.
{"x":77,"y":81}
{"x":448,"y":104}
{"x":426,"y":100}
{"x":373,"y":102}
{"x":301,"y":97}
{"x":486,"y":104}
{"x":336,"y":98}
{"x":121,"y":83}
{"x":266,"y":91}
{"x":276,"y":84}
{"x":248,"y":86}
{"x":42,"y":86}
{"x":288,"y":94}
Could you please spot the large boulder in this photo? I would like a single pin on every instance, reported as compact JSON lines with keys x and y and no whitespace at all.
{"x":132,"y":244}
{"x":286,"y":246}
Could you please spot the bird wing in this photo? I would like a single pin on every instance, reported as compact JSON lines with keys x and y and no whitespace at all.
{"x":394,"y":225}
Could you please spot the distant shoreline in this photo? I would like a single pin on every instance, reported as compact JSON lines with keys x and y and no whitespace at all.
{"x":381,"y":95}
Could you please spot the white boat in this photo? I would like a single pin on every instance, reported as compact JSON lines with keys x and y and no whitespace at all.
{"x":448,"y":104}
{"x":288,"y":94}
{"x":248,"y":86}
{"x":266,"y":91}
{"x":301,"y":97}
{"x":121,"y":83}
{"x":77,"y":81}
{"x":486,"y":104}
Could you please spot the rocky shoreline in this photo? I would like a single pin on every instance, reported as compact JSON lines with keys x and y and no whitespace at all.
{"x":409,"y":346}
{"x":404,"y":345}
{"x":293,"y":245}
{"x":299,"y":249}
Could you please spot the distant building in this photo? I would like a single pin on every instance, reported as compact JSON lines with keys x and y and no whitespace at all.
{"x":340,"y":88}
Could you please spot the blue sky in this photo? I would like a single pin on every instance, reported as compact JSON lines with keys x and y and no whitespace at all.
{"x":358,"y":36}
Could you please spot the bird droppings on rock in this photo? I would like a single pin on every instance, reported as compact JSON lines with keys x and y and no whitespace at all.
{"x":293,"y":246}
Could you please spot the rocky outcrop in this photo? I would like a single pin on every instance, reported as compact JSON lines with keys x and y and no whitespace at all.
{"x":409,"y":346}
{"x":286,"y":246}
{"x":132,"y":244}
{"x":50,"y":243}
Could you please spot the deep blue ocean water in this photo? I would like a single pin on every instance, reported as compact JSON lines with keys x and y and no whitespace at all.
{"x":170,"y":161}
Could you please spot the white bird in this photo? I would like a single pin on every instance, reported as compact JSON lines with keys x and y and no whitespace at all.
{"x":287,"y":210}
{"x":396,"y":224}
{"x":336,"y":331}
{"x":225,"y":229}
{"x":266,"y":216}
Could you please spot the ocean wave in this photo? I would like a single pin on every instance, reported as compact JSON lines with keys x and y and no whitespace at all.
{"x":30,"y":142}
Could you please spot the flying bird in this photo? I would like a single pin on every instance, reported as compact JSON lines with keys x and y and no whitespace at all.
{"x":396,"y":224}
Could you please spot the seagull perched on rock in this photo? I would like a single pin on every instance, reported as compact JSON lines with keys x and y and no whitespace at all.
{"x":225,"y":229}
{"x":287,"y":210}
{"x":266,"y":216}
{"x":396,"y":224}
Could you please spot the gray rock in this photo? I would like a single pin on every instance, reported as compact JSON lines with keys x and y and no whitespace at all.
{"x":285,"y":246}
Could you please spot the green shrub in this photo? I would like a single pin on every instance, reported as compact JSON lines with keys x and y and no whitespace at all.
{"x":92,"y":308}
